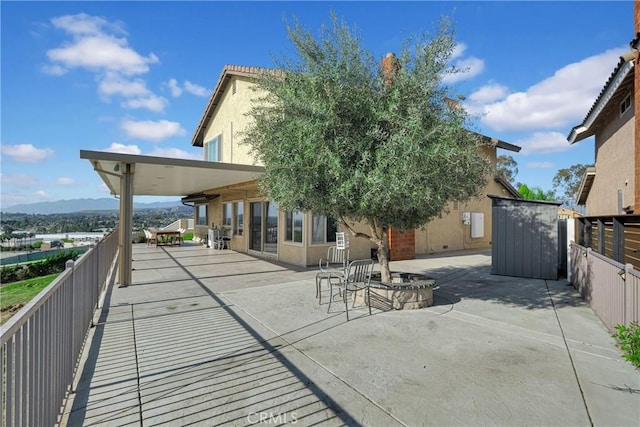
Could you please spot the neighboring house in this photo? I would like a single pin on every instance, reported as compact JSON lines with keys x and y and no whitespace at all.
{"x":258,"y":226}
{"x":564,"y":213}
{"x":610,"y":188}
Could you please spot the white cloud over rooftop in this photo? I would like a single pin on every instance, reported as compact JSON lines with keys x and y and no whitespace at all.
{"x":557,"y":102}
{"x":152,"y":130}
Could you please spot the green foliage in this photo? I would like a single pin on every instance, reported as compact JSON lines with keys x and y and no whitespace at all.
{"x":507,"y":167}
{"x":51,"y":265}
{"x":338,"y":139}
{"x":187,"y":236}
{"x":629,"y":341}
{"x":23,"y":291}
{"x":535,"y":193}
{"x":567,"y":181}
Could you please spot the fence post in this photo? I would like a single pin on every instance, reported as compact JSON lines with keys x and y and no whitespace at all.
{"x":71,"y":318}
{"x":618,"y":240}
{"x":625,"y":302}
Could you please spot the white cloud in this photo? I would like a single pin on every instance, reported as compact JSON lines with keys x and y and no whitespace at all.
{"x":101,"y":47}
{"x":467,"y":68}
{"x":18,"y":179}
{"x":151,"y":102}
{"x":559,"y":101}
{"x":26,"y":153}
{"x":488,"y":93}
{"x":539,"y":165}
{"x":54,"y":70}
{"x":116,"y":84}
{"x":103,"y":188}
{"x":42,"y":195}
{"x":116,"y":147}
{"x":102,"y":53}
{"x":152,"y":131}
{"x":63,"y":180}
{"x":175,"y":153}
{"x":458,"y":50}
{"x":195,"y":89}
{"x":83,"y":24}
{"x":543,"y":142}
{"x":174,"y":87}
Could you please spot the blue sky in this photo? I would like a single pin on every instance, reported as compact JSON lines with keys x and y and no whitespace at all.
{"x":135,"y":76}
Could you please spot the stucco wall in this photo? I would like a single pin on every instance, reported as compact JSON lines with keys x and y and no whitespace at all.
{"x":447,"y":232}
{"x":229,"y":119}
{"x":615,"y":162}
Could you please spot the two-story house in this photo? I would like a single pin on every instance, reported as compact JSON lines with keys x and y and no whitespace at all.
{"x":610,"y":187}
{"x":257,"y":225}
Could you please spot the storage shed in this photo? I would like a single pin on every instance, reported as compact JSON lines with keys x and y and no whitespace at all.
{"x":524,"y":238}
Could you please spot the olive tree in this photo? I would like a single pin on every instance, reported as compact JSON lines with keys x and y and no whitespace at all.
{"x":340,"y":136}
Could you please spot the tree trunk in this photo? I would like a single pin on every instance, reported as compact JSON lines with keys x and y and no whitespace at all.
{"x":383,"y":258}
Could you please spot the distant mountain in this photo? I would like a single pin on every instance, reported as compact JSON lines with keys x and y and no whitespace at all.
{"x":80,"y":205}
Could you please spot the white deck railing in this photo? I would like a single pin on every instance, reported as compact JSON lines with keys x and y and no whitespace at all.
{"x":41,"y":343}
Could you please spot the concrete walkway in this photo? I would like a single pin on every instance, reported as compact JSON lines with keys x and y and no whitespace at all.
{"x":208,"y":337}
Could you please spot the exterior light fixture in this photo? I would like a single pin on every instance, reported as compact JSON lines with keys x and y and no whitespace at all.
{"x":623,"y":274}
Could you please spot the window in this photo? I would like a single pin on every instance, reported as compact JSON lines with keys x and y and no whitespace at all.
{"x":201,"y":215}
{"x":238,"y":225}
{"x":213,"y":149}
{"x":233,"y":87}
{"x":625,"y":105}
{"x":455,"y":205}
{"x":226,"y":214}
{"x":323,"y":229}
{"x":294,"y":227}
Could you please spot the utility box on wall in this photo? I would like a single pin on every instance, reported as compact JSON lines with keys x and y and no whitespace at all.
{"x":524,"y":238}
{"x":477,"y":225}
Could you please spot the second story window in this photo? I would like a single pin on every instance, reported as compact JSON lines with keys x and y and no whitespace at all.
{"x":213,"y":149}
{"x":625,"y":104}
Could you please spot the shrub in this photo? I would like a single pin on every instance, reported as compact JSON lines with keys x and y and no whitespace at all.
{"x":629,"y":341}
{"x":51,"y":265}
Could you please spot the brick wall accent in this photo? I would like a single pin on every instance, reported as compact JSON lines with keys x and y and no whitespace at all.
{"x":636,"y":101}
{"x":402,"y":244}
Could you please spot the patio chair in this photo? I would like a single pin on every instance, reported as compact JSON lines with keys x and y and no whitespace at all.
{"x":220,"y":240}
{"x":357,"y":277}
{"x":151,"y":237}
{"x":331,"y":267}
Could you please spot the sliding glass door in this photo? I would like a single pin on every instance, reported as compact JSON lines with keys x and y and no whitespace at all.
{"x":264,"y":227}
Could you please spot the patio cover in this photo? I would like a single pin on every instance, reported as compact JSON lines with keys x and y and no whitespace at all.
{"x":128,"y":175}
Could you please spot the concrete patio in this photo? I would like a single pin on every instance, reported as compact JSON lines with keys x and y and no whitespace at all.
{"x":206,"y":337}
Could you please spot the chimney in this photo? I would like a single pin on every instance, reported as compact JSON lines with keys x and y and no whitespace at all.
{"x":389,"y":66}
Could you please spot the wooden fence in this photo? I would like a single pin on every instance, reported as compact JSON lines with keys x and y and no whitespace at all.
{"x":615,"y":237}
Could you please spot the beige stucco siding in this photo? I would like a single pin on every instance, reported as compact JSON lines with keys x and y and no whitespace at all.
{"x":230,"y":119}
{"x":614,"y":170}
{"x":448,"y":232}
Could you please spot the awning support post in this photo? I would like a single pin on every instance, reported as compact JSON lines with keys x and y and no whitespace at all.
{"x":126,"y":223}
